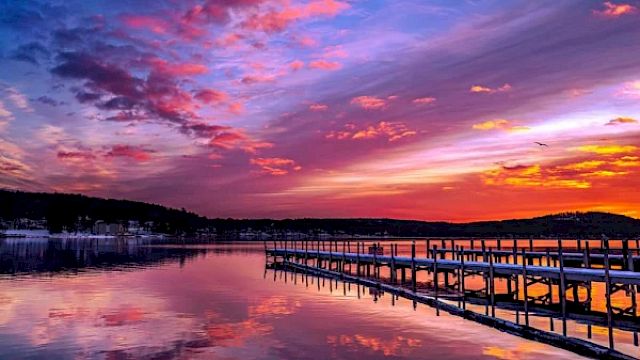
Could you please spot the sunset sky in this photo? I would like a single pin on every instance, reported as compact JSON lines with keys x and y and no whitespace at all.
{"x":326,"y":108}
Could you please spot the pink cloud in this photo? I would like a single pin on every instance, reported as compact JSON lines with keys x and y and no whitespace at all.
{"x":229,"y":39}
{"x":236,"y":108}
{"x":151,"y":23}
{"x":210,"y":96}
{"x":307,"y":41}
{"x":393,"y":131}
{"x":335,"y":52}
{"x":369,"y":102}
{"x":257,"y":78}
{"x":182,"y":69}
{"x":296,"y":65}
{"x":75,"y":155}
{"x":276,"y":166}
{"x":424,"y":100}
{"x":132,"y":152}
{"x":616,"y":10}
{"x":325,"y":65}
{"x":278,"y":20}
{"x":318,"y":107}
{"x":226,"y":140}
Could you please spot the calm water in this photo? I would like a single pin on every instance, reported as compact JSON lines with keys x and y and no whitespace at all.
{"x":111,"y":299}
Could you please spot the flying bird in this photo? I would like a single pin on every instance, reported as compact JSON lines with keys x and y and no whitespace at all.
{"x":541,"y":144}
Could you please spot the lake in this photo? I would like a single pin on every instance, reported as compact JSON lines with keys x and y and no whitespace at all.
{"x":134,"y":299}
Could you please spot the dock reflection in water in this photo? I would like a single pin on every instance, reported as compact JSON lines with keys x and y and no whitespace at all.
{"x":71,"y":299}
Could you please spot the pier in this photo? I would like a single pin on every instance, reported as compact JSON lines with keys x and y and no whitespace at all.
{"x":559,"y":282}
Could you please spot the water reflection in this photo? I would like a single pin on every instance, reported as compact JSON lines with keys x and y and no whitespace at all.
{"x":211,"y":301}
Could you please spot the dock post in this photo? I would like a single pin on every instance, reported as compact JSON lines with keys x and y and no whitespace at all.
{"x":484,"y":253}
{"x":427,"y":250}
{"x":625,"y":254}
{"x":358,"y":259}
{"x":550,"y":285}
{"x":344,"y":258}
{"x":286,"y":255}
{"x":526,"y":291}
{"x":562,"y":285}
{"x":413,"y":265}
{"x":392,"y":266}
{"x":375,"y":260}
{"x":443,"y":251}
{"x":517,"y":279}
{"x":435,"y":278}
{"x":608,"y":291}
{"x":461,"y":279}
{"x":330,"y":253}
{"x":587,"y":264}
{"x":492,"y":284}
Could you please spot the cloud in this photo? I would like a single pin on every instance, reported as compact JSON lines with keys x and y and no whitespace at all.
{"x":584,"y":165}
{"x":179,"y":69}
{"x":393,"y":131}
{"x":18,"y":99}
{"x":487,"y":90}
{"x":155,"y":24}
{"x":4,"y":112}
{"x":128,"y":151}
{"x":257,"y":78}
{"x":296,"y":65}
{"x":318,"y":107}
{"x":276,"y":166}
{"x":32,"y":52}
{"x":499,"y":124}
{"x":75,"y":155}
{"x":607,"y":149}
{"x":369,"y":102}
{"x":210,"y":96}
{"x":277,"y":20}
{"x":615,"y":10}
{"x":630,"y":89}
{"x":622,"y":121}
{"x":532,"y":176}
{"x":227,"y":139}
{"x":325,"y":65}
{"x":48,"y":101}
{"x":424,"y":100}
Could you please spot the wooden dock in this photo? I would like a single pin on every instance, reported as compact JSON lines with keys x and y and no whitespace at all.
{"x":563,"y":273}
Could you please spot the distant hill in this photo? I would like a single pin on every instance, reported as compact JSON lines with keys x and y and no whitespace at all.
{"x":71,"y":211}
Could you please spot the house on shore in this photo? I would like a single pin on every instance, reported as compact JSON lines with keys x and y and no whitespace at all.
{"x":103,"y":228}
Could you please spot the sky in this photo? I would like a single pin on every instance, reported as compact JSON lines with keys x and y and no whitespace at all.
{"x":432,"y":110}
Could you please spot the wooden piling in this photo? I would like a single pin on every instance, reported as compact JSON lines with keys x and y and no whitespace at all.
{"x":392,"y":266}
{"x":525,"y":282}
{"x":413,"y":266}
{"x":358,"y":258}
{"x":435,"y":277}
{"x":563,"y":300}
{"x":461,"y":279}
{"x":492,"y":284}
{"x":607,"y":281}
